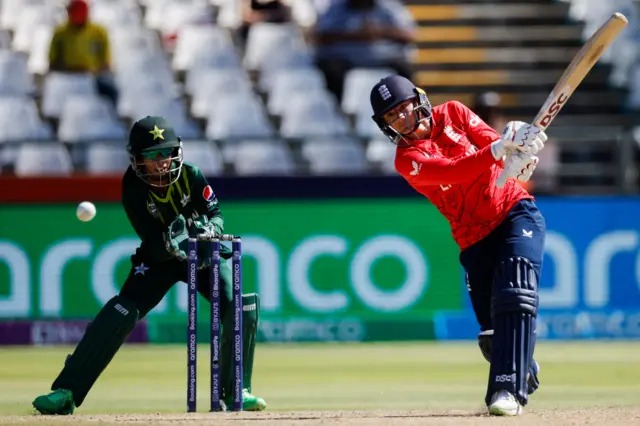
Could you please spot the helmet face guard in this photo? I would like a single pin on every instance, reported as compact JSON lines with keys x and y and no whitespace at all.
{"x":421,"y":111}
{"x":163,"y":169}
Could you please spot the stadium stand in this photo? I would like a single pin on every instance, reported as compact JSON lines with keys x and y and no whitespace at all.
{"x":263,"y":107}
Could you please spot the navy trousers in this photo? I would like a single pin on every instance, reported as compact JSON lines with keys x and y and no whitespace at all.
{"x":521,"y":234}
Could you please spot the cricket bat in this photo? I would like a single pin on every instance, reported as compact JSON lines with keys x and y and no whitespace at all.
{"x":577,"y":70}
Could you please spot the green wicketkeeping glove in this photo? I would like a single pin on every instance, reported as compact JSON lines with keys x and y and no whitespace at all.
{"x":202,"y":225}
{"x":176,"y":239}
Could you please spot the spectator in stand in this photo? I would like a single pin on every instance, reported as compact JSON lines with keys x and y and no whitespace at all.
{"x":81,"y":46}
{"x":363,"y":33}
{"x":254,"y":11}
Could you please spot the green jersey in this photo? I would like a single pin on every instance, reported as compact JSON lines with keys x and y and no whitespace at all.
{"x":150,"y":212}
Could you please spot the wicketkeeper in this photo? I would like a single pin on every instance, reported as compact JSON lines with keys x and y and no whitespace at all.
{"x":166,"y":201}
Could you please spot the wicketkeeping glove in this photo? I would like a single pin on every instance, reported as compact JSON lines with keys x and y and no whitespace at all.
{"x":176,"y":239}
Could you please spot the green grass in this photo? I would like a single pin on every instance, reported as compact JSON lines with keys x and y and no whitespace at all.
{"x":152,"y":379}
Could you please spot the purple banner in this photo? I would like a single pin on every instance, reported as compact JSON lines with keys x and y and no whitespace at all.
{"x":56,"y":332}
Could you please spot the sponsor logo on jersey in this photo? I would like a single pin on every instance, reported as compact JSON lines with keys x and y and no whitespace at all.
{"x":153,"y":210}
{"x":452,"y":134}
{"x":207,"y":193}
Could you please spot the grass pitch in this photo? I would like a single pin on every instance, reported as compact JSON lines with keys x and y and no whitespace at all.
{"x":390,"y":383}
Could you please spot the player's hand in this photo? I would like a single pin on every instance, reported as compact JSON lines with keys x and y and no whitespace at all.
{"x":201,"y":225}
{"x":517,"y":165}
{"x":176,"y":239}
{"x":519,"y":136}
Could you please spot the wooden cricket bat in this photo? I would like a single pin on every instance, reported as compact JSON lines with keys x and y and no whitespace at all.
{"x":577,"y":70}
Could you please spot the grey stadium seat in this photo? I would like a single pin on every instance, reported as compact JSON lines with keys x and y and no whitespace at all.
{"x":106,"y":159}
{"x":382,"y":152}
{"x":14,"y":75}
{"x":312,"y":116}
{"x":197,"y":42}
{"x":43,"y":159}
{"x":215,"y":86}
{"x":24,"y":111}
{"x":59,"y":86}
{"x":358,"y":83}
{"x":339,"y":156}
{"x":289,"y":83}
{"x":87,"y":118}
{"x":262,"y":157}
{"x":239,"y":117}
{"x":205,"y":155}
{"x":266,"y":38}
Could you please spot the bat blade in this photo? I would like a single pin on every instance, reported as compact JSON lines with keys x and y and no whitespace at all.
{"x":578,"y":68}
{"x":576,"y":71}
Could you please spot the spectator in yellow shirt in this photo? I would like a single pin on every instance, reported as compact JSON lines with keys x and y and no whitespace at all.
{"x":80,"y":46}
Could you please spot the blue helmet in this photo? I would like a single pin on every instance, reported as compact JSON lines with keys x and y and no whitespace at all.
{"x":390,"y":92}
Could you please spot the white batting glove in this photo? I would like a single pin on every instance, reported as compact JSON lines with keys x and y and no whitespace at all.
{"x":519,"y":136}
{"x":519,"y":166}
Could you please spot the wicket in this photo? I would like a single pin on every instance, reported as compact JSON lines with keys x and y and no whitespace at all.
{"x":214,"y":293}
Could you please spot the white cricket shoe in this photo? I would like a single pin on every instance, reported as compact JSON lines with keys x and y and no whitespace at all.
{"x":503,"y":403}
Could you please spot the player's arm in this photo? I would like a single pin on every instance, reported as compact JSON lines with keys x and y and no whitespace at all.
{"x":205,"y":200}
{"x":479,"y":132}
{"x":149,"y":230}
{"x":419,"y":169}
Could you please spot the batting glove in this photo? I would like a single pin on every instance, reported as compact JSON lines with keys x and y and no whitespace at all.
{"x":519,"y":136}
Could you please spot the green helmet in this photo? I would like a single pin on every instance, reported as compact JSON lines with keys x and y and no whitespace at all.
{"x":155,"y":152}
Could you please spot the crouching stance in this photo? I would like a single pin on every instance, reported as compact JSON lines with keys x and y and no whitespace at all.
{"x":448,"y":154}
{"x":166,"y":201}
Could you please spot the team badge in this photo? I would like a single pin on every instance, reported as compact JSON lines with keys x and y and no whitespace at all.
{"x":207,"y":193}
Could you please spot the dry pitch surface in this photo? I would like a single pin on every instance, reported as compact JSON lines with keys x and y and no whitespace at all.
{"x":583,"y":383}
{"x":594,"y":416}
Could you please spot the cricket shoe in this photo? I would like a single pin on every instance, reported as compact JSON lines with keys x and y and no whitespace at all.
{"x":250,"y":402}
{"x":503,"y":403}
{"x":60,"y":401}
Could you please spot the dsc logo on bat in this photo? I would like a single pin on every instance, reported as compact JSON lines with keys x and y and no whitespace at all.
{"x":554,"y":108}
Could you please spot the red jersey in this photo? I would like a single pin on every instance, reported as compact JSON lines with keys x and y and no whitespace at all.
{"x":456,"y":171}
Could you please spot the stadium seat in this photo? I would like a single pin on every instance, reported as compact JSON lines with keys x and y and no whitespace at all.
{"x":31,"y":18}
{"x":136,"y":98}
{"x":266,"y":38}
{"x":12,"y":10}
{"x":215,"y":87}
{"x":289,"y":83}
{"x":357,"y":88}
{"x":43,"y":159}
{"x":239,"y":117}
{"x":104,"y":158}
{"x":262,"y":157}
{"x":365,"y":127}
{"x":229,"y":13}
{"x":173,"y":110}
{"x":89,"y":118}
{"x":178,"y":14}
{"x":115,"y":14}
{"x":205,"y":155}
{"x":58,"y":86}
{"x":312,"y":116}
{"x":203,"y":74}
{"x":382,"y":152}
{"x":282,"y":61}
{"x":39,"y":56}
{"x":196,"y":43}
{"x":20,"y":121}
{"x":341,"y":156}
{"x":14,"y":75}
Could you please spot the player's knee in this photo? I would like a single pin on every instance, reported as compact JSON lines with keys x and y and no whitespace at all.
{"x":124,"y":310}
{"x":250,"y":309}
{"x":515,"y":287}
{"x":485,"y":341}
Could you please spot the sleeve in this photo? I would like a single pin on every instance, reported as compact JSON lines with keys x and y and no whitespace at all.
{"x":479,"y":132}
{"x":148,"y":229}
{"x":54,"y":49}
{"x":421,"y":170}
{"x":399,"y":16}
{"x":205,"y":200}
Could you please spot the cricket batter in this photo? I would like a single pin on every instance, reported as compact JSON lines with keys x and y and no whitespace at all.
{"x":166,"y":201}
{"x":454,"y":159}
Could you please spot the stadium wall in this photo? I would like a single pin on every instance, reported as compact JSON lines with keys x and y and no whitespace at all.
{"x":333,"y":259}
